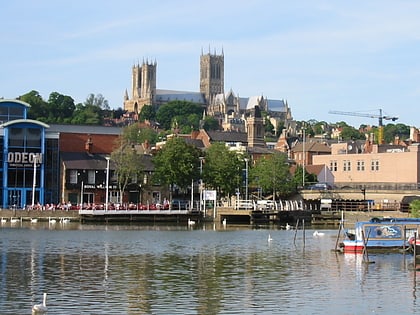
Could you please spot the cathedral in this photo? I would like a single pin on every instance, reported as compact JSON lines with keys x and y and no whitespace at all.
{"x":228,"y":108}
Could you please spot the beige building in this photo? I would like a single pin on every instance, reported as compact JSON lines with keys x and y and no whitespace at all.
{"x":373,"y":166}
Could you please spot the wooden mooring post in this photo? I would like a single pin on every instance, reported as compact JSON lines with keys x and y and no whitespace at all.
{"x":303,"y":232}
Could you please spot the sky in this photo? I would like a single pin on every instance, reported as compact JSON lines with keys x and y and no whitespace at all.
{"x":355,"y":56}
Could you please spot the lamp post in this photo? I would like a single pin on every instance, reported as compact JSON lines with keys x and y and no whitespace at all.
{"x":246,"y":179}
{"x":107,"y":183}
{"x":34,"y":183}
{"x":201,"y":182}
{"x":303,"y":158}
{"x":81,"y":196}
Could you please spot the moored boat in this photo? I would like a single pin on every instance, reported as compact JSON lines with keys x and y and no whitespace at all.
{"x":380,"y":234}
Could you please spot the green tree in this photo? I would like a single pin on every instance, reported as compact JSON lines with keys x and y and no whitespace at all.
{"x":38,"y":109}
{"x":210,"y":123}
{"x":147,"y":113}
{"x":222,"y":169}
{"x":298,"y":177}
{"x":396,"y":130}
{"x":87,"y":115}
{"x":97,"y":100}
{"x":60,"y":108}
{"x":129,"y":166}
{"x":133,"y":134}
{"x":272,"y":174}
{"x":176,"y":164}
{"x":186,"y":114}
{"x":351,"y":133}
{"x":415,"y":208}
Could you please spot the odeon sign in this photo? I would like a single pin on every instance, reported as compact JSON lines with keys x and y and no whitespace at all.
{"x":24,"y":158}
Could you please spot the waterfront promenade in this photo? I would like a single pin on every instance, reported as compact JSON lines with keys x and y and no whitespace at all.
{"x":350,"y":217}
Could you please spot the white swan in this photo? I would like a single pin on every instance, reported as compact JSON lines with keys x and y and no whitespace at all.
{"x":224,"y":222}
{"x":34,"y":220}
{"x":14,"y":220}
{"x":52,"y":221}
{"x":288,"y":227}
{"x":65,"y":220}
{"x":316,"y":233}
{"x":41,"y":308}
{"x":269,"y":238}
{"x":190,"y":222}
{"x":3,"y":220}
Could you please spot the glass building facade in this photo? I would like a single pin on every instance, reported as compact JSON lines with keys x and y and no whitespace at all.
{"x":29,"y":161}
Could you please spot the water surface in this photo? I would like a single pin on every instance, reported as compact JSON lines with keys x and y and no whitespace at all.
{"x":146,"y":269}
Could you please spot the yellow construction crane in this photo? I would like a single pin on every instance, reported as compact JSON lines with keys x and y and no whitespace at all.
{"x":380,"y":118}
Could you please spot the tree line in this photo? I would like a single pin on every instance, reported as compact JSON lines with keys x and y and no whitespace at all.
{"x":182,"y":117}
{"x":177,"y":164}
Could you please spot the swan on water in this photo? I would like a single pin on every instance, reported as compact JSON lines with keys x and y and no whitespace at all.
{"x":3,"y":220}
{"x":288,"y":227}
{"x":14,"y":220}
{"x":190,"y":222}
{"x":316,"y":233}
{"x":34,"y":220}
{"x":41,"y":308}
{"x":51,"y":221}
{"x":224,"y":221}
{"x":65,"y":220}
{"x":269,"y":238}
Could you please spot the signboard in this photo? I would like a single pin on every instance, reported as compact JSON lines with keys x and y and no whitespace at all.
{"x":209,"y":195}
{"x":24,"y":158}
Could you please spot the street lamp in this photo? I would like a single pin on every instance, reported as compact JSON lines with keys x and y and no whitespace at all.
{"x":246,"y":179}
{"x":107,"y":183}
{"x":201,"y":181}
{"x":34,"y":183}
{"x":303,"y":158}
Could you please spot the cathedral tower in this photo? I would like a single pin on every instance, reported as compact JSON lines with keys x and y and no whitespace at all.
{"x":211,"y":75}
{"x":143,"y":87}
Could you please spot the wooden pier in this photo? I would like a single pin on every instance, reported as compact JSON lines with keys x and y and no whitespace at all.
{"x":315,"y":217}
{"x":139,"y":215}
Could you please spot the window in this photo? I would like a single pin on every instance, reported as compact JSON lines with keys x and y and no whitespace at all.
{"x":346,"y":166}
{"x":114,"y":196}
{"x":374,"y":165}
{"x":133,"y":179}
{"x":91,"y":177}
{"x":333,"y":166}
{"x":360,"y":165}
{"x":73,"y":176}
{"x":25,"y":137}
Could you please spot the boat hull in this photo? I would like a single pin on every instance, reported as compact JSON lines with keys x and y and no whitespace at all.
{"x":380,"y":235}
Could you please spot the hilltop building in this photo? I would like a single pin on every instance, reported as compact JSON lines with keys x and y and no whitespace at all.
{"x":228,"y":108}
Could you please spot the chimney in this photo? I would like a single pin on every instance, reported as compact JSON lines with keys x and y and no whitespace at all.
{"x":88,"y":145}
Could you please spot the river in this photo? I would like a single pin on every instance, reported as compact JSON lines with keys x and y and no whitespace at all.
{"x":176,"y":269}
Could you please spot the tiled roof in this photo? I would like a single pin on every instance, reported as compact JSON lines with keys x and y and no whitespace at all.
{"x":76,"y":142}
{"x":312,"y":146}
{"x":83,"y":160}
{"x":86,"y":129}
{"x":228,"y":136}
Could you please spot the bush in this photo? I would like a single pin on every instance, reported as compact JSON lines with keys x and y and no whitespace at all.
{"x":415,"y":209}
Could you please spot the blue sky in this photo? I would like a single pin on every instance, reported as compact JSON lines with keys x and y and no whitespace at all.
{"x":355,"y":56}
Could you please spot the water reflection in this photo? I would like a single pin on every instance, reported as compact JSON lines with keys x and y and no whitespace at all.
{"x":157,"y":269}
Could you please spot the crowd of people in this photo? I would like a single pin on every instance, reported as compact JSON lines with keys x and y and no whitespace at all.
{"x":66,"y":206}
